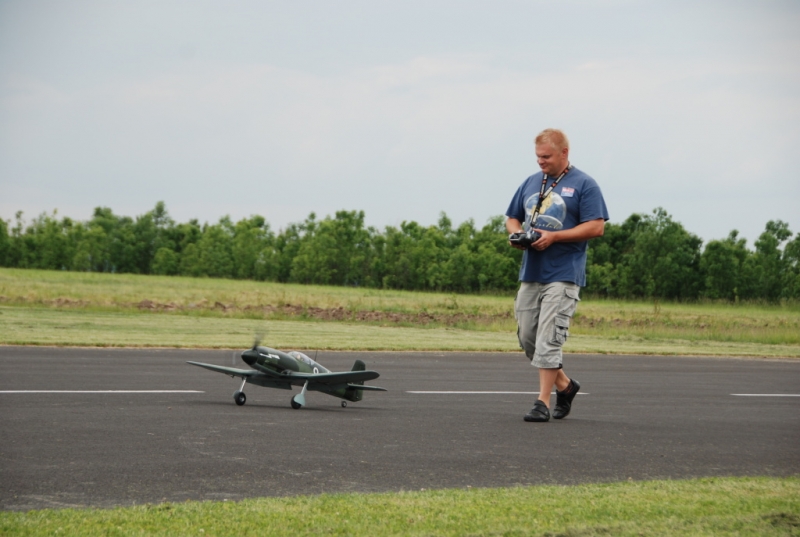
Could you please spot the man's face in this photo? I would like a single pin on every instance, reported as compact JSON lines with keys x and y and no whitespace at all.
{"x":550,"y":160}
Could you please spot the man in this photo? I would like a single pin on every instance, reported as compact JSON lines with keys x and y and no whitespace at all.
{"x":554,"y":265}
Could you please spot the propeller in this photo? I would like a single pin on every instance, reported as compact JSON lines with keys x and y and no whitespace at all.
{"x":257,"y":337}
{"x":250,"y":356}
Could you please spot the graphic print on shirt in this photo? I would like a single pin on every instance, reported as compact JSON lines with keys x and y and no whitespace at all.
{"x":551,"y":215}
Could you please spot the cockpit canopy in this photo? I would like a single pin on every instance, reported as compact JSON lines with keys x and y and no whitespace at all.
{"x":299,"y":356}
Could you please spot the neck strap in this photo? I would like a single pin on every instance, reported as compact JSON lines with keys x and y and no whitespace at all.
{"x":544,"y":193}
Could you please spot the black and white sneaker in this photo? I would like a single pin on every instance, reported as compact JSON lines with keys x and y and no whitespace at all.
{"x":564,"y":400}
{"x":539,"y":412}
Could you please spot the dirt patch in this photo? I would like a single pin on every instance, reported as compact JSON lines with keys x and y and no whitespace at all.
{"x":298,"y":311}
{"x":157,"y":306}
{"x":290,"y":311}
{"x":56,"y":302}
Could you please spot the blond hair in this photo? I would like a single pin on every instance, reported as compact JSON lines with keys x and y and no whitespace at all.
{"x":554,"y":137}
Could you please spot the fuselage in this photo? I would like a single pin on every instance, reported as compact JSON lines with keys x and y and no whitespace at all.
{"x":280,"y":361}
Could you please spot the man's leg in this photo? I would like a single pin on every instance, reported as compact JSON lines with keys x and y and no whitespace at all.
{"x":557,"y":306}
{"x":526,"y":311}
{"x":549,"y":378}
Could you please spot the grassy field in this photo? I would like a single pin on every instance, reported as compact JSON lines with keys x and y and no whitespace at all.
{"x":70,"y":327}
{"x":71,"y":308}
{"x":729,"y":506}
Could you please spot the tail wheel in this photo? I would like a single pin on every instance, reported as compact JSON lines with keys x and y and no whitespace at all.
{"x":344,"y":404}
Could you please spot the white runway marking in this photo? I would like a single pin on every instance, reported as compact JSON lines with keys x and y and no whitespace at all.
{"x":482,"y":393}
{"x":100,"y":391}
{"x":766,"y":394}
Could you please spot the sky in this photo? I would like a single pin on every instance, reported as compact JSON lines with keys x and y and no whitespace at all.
{"x":403,"y":110}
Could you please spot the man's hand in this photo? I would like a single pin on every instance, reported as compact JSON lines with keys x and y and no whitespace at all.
{"x":582,"y":232}
{"x":517,"y":246}
{"x":514,"y":226}
{"x":544,"y":241}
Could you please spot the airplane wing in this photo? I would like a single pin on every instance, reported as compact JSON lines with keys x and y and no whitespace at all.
{"x":232,"y":371}
{"x":343,"y":377}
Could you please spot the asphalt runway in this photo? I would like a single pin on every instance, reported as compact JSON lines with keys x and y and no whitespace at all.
{"x":142,"y":426}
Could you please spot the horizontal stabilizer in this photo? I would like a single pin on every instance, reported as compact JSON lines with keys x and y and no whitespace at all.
{"x":367,"y":388}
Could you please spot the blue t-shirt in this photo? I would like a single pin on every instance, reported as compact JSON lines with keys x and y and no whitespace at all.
{"x":575,"y":200}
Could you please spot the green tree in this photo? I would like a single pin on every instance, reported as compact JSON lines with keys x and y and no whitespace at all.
{"x":458,"y":270}
{"x":254,"y":255}
{"x":645,"y":256}
{"x":605,"y":255}
{"x":152,"y":232}
{"x":105,"y":246}
{"x":497,"y":264}
{"x":722,"y":266}
{"x":166,"y":262}
{"x":287,"y":244}
{"x":337,"y":251}
{"x":186,"y":238}
{"x":766,"y":267}
{"x":215,"y":250}
{"x":91,"y":249}
{"x":5,"y":243}
{"x":189,"y":264}
{"x":125,"y":250}
{"x":45,"y":244}
{"x":791,"y":278}
{"x":663,"y":262}
{"x":412,"y":255}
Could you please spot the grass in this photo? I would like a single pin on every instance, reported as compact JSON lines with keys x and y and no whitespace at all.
{"x":716,"y":506}
{"x":236,"y":298}
{"x":74,"y":308}
{"x":750,"y":323}
{"x":89,"y":328}
{"x":42,"y":326}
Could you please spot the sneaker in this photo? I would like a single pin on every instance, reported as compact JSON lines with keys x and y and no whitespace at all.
{"x":564,"y":400}
{"x":539,"y":412}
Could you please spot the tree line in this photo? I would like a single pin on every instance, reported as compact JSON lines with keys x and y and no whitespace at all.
{"x":646,"y":256}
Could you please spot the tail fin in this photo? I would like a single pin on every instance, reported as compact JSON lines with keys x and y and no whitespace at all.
{"x":354,"y":394}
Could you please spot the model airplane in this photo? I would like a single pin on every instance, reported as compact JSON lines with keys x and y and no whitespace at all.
{"x":278,"y":369}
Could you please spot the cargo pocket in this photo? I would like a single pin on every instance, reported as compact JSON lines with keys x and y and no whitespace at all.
{"x":561,"y":332}
{"x":569,"y":302}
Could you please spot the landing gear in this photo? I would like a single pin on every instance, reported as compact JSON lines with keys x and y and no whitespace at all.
{"x":299,"y":400}
{"x":344,"y":404}
{"x":238,"y":396}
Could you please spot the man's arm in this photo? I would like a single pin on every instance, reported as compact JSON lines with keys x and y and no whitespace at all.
{"x":582,"y":232}
{"x":514,"y":226}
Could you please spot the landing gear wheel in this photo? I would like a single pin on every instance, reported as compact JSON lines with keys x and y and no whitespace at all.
{"x":239,"y":398}
{"x":295,"y":404}
{"x":344,"y":404}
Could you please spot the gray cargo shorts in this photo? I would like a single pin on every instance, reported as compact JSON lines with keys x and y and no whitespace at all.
{"x":543,"y":312}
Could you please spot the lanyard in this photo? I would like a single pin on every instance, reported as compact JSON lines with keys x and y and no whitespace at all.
{"x":543,"y":194}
